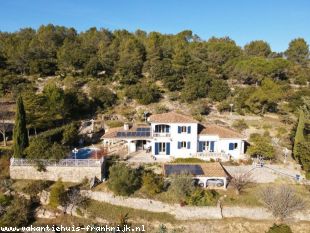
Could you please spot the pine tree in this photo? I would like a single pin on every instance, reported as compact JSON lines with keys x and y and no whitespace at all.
{"x":20,"y":135}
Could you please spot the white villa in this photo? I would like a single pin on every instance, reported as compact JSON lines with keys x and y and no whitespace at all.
{"x":175,"y":135}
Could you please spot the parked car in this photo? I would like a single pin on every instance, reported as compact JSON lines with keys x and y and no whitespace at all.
{"x":215,"y":182}
{"x":198,"y":182}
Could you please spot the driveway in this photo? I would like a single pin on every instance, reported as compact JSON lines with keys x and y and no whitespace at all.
{"x":268,"y":173}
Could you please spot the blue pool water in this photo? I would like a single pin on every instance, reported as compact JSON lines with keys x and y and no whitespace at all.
{"x":83,"y":153}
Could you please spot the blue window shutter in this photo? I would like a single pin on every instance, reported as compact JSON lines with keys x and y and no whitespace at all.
{"x":188,"y":145}
{"x":200,"y":145}
{"x":156,"y":148}
{"x":179,"y":129}
{"x":212,"y":146}
{"x":231,"y":146}
{"x":179,"y":145}
{"x":168,"y":148}
{"x":188,"y":129}
{"x":167,"y":129}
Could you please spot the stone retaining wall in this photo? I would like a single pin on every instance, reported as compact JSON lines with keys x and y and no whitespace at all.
{"x":187,"y":212}
{"x":67,"y":174}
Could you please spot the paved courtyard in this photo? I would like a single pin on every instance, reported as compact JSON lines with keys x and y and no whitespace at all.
{"x":143,"y":157}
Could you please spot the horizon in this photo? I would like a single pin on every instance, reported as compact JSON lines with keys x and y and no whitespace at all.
{"x":277,"y":22}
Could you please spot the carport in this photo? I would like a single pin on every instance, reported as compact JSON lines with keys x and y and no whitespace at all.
{"x":207,"y":175}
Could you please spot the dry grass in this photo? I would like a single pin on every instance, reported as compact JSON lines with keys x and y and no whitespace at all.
{"x":250,"y":197}
{"x":112,"y":213}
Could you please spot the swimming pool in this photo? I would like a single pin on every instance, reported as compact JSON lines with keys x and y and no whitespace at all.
{"x":83,"y":153}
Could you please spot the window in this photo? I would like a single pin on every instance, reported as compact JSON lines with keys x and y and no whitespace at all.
{"x":161,"y":128}
{"x":233,"y":146}
{"x":162,"y":147}
{"x":183,"y":144}
{"x":183,"y":129}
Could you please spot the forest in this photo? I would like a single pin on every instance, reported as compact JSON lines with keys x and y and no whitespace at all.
{"x":119,"y":66}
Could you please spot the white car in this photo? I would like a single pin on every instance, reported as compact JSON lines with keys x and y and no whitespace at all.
{"x":215,"y":182}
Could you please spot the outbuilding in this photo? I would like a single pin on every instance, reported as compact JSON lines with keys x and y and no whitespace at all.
{"x":207,"y":175}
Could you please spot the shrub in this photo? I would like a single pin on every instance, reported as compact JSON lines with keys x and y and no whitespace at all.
{"x":4,"y":167}
{"x":58,"y":194}
{"x":181,"y":186}
{"x":152,"y":183}
{"x":161,"y":109}
{"x":282,"y":228}
{"x":5,"y":200}
{"x":18,"y":213}
{"x":240,"y":125}
{"x":123,"y":180}
{"x":41,"y":148}
{"x":144,"y":94}
{"x":102,"y":96}
{"x":35,"y":187}
{"x":201,"y":197}
{"x":219,"y":90}
{"x":261,"y":146}
{"x":114,"y":123}
{"x":70,"y":135}
{"x":282,"y":201}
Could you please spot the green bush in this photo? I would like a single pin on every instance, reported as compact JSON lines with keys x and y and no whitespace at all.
{"x":282,"y":228}
{"x":5,"y":200}
{"x":123,"y":180}
{"x":70,"y":135}
{"x":41,"y":148}
{"x":53,"y":135}
{"x":261,"y":146}
{"x":240,"y":125}
{"x":152,"y":183}
{"x":181,"y":186}
{"x":36,"y":186}
{"x":57,"y":194}
{"x":18,"y":213}
{"x":201,"y":197}
{"x":144,"y":93}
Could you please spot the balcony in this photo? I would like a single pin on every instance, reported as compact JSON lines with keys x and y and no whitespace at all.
{"x":157,"y":134}
{"x":212,"y":155}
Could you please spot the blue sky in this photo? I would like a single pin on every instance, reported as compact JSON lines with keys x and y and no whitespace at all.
{"x":276,"y":21}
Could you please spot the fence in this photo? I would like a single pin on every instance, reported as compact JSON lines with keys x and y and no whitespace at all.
{"x":57,"y":163}
{"x":212,"y":155}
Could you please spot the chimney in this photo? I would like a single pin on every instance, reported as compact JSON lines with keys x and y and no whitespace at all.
{"x":126,"y":126}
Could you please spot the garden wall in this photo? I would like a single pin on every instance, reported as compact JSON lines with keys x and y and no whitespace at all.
{"x":55,"y":172}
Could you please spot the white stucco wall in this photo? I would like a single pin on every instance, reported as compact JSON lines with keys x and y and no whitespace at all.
{"x":173,"y":137}
{"x":236,"y":153}
{"x":176,"y":137}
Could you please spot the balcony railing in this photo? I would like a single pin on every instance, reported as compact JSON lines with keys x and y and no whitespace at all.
{"x":157,"y":134}
{"x":57,"y":163}
{"x":212,"y":155}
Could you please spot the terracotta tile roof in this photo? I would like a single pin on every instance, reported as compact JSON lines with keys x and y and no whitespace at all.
{"x":222,"y":132}
{"x":205,"y":169}
{"x":214,"y":170}
{"x":111,"y":133}
{"x":171,"y":117}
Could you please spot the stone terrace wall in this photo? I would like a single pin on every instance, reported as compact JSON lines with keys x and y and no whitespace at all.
{"x":67,"y":174}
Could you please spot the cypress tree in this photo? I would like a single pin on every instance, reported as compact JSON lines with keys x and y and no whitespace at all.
{"x":20,"y":135}
{"x":299,"y":136}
